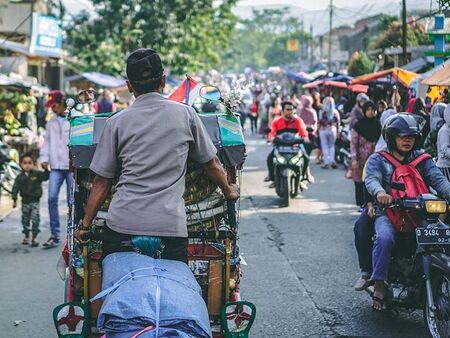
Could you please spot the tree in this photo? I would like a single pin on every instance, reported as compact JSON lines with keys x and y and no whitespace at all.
{"x":260,"y":41}
{"x":392,"y":37}
{"x":360,"y":64}
{"x":189,"y":34}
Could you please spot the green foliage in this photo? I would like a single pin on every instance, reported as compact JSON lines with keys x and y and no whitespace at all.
{"x":392,"y":36}
{"x":261,"y":40}
{"x":189,"y":34}
{"x":360,"y":64}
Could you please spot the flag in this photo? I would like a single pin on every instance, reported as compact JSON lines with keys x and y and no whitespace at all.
{"x":187,"y":92}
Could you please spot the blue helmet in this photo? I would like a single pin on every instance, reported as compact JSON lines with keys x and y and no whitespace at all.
{"x":400,"y":125}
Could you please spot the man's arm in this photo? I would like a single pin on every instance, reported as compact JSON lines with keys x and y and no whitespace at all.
{"x":101,"y":188}
{"x":215,"y":172}
{"x":374,"y":175}
{"x":273,"y":130}
{"x":44,"y":153}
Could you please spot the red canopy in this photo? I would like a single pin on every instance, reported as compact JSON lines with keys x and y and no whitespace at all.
{"x":313,"y":84}
{"x":359,"y":88}
{"x":336,"y":84}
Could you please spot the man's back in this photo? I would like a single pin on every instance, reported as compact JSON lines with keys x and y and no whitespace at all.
{"x":147,"y":146}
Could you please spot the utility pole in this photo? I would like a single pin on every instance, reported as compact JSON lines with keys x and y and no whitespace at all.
{"x":404,"y":31}
{"x":311,"y":45}
{"x":330,"y":35}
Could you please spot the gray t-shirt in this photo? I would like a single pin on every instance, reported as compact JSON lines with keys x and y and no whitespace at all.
{"x":147,"y":145}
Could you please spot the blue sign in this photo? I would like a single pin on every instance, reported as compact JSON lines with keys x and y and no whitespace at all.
{"x":46,"y":36}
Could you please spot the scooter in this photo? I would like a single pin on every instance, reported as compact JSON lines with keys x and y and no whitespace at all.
{"x":419,"y":274}
{"x":343,"y":153}
{"x":289,"y":163}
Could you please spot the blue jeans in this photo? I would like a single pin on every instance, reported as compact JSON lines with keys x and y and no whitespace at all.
{"x":384,"y":243}
{"x":364,"y":231}
{"x":57,"y":178}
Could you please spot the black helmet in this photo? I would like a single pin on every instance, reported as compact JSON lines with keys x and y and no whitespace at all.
{"x":400,"y":125}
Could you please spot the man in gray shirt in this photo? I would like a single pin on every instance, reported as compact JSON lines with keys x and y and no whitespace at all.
{"x":147,"y":146}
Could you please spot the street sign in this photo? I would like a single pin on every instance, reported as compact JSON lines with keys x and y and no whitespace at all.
{"x":292,"y":45}
{"x":46,"y":36}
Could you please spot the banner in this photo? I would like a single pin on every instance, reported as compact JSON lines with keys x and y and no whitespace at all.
{"x":46,"y":36}
{"x":293,"y":45}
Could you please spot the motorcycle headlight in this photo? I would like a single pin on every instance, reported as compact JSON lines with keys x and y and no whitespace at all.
{"x":436,"y":207}
{"x":281,"y":160}
{"x":295,"y":159}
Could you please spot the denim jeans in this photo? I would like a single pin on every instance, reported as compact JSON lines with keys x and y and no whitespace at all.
{"x":327,"y":141}
{"x":364,"y":231}
{"x":384,"y":243}
{"x":57,"y":178}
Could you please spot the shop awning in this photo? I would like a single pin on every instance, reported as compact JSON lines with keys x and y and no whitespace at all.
{"x":101,"y":79}
{"x":402,"y":76}
{"x":439,"y":78}
{"x":335,"y":84}
{"x":359,"y":88}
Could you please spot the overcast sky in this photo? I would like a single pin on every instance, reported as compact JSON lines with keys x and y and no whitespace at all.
{"x":319,"y":4}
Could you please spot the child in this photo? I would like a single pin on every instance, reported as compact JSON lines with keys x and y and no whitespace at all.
{"x":29,"y":185}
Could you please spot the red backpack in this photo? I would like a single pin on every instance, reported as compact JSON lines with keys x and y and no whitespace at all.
{"x":406,"y":182}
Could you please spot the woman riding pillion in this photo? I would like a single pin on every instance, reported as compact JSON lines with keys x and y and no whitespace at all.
{"x":402,"y":136}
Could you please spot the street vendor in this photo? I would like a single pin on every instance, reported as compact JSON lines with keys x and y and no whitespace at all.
{"x":147,"y":147}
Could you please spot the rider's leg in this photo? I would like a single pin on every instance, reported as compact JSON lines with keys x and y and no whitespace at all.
{"x":364,"y":230}
{"x":384,"y":242}
{"x":270,"y":165}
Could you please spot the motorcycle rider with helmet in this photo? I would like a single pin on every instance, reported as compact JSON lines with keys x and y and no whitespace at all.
{"x":402,"y":136}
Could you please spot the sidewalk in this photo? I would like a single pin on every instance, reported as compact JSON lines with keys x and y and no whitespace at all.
{"x":29,"y":282}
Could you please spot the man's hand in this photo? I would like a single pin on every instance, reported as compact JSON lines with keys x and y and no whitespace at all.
{"x":81,"y":234}
{"x":44,"y":165}
{"x":384,"y":199}
{"x":370,"y":210}
{"x":232,"y":193}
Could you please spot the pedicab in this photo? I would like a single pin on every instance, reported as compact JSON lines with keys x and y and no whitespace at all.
{"x":213,"y":228}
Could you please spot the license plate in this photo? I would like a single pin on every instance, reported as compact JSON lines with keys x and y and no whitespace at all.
{"x":432,"y":236}
{"x":288,"y":150}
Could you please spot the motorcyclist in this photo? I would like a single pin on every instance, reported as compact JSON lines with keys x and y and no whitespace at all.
{"x":402,"y":136}
{"x":287,"y":120}
{"x":147,"y":145}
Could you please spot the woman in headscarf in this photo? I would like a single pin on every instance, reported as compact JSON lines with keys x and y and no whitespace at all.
{"x":365,"y":135}
{"x":329,"y":122}
{"x":421,"y":116}
{"x":443,"y":145}
{"x":309,"y":115}
{"x":436,"y":122}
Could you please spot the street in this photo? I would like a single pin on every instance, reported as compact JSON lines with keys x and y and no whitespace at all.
{"x":301,"y":265}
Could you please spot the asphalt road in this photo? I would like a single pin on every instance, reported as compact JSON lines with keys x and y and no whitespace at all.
{"x":301,"y":265}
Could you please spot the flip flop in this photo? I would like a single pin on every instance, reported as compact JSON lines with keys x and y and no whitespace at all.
{"x":34,"y":243}
{"x":26,"y":241}
{"x":380,"y":301}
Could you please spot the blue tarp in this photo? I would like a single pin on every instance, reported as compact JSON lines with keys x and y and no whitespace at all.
{"x":297,"y":78}
{"x":142,"y":291}
{"x":101,"y":79}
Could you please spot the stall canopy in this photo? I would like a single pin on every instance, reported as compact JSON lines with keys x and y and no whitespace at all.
{"x":336,"y":84}
{"x":404,"y":77}
{"x":359,"y":88}
{"x":101,"y":79}
{"x":439,"y":78}
{"x":297,"y":77}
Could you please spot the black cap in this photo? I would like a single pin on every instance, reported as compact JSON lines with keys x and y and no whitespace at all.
{"x":144,"y":66}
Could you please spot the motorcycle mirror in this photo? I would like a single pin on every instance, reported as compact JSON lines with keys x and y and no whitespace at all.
{"x":210,"y":93}
{"x":87,"y":96}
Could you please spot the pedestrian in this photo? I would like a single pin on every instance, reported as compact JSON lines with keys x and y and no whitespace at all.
{"x":105,"y":103}
{"x":275,"y":110}
{"x":28,"y":185}
{"x":443,"y":145}
{"x":381,"y":107}
{"x":254,"y":111}
{"x":396,"y":99}
{"x":329,"y":122}
{"x":54,"y":155}
{"x":422,"y":118}
{"x":309,"y":116}
{"x":317,"y":106}
{"x":436,"y":122}
{"x":365,"y":135}
{"x":357,"y":113}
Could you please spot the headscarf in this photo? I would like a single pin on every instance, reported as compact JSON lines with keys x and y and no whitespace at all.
{"x":369,"y":128}
{"x":328,"y":109}
{"x":307,"y":113}
{"x":418,"y":107}
{"x":437,"y":116}
{"x":381,"y":144}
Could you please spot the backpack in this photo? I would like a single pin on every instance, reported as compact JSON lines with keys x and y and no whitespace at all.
{"x":406,"y":182}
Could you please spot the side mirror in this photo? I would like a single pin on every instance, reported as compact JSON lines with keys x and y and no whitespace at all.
{"x":87,"y":96}
{"x":210,"y":93}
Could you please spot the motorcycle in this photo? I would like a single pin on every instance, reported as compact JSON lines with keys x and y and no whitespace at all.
{"x":343,"y":153}
{"x":289,"y":163}
{"x":419,"y":274}
{"x":9,"y":169}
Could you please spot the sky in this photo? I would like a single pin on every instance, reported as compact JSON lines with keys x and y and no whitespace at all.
{"x":320,"y":4}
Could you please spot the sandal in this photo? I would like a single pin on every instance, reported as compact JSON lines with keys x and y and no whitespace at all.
{"x":52,"y":242}
{"x":34,"y":243}
{"x":380,"y":301}
{"x":26,"y":241}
